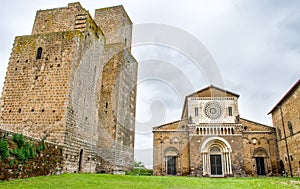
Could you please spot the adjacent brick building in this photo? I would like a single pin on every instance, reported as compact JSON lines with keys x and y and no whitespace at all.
{"x":73,"y":82}
{"x":212,"y":140}
{"x":286,"y":120}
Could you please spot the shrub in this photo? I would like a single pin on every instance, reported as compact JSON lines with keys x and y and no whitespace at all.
{"x":19,"y":154}
{"x":140,"y":171}
{"x":40,"y":147}
{"x":4,"y":152}
{"x":25,"y":150}
{"x":18,"y":139}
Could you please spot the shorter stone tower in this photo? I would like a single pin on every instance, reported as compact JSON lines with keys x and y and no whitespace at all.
{"x":72,"y":82}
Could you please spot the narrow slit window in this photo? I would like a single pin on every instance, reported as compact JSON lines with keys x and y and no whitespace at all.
{"x":230,"y":111}
{"x":39,"y":53}
{"x":196,"y":111}
{"x":290,"y":126}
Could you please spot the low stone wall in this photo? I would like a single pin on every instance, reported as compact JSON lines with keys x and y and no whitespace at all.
{"x":48,"y":161}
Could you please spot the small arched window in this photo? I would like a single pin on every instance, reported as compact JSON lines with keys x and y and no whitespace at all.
{"x":279,"y":133}
{"x":39,"y":53}
{"x":290,"y":126}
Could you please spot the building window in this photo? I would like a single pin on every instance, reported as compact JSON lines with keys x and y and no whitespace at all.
{"x":196,"y":111}
{"x":290,"y":127}
{"x":230,"y":111}
{"x":39,"y":53}
{"x":279,"y":133}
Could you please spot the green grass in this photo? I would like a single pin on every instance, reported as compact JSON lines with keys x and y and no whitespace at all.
{"x":84,"y":181}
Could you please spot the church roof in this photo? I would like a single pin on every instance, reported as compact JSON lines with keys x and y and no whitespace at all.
{"x":209,"y":91}
{"x":292,"y":89}
{"x":174,"y":126}
{"x":213,"y":87}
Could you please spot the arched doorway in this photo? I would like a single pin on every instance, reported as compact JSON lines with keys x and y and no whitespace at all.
{"x":215,"y":161}
{"x":260,"y":166}
{"x":171,"y":157}
{"x":216,"y":157}
{"x":260,"y":154}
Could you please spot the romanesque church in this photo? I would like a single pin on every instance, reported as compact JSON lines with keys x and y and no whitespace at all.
{"x":211,"y":139}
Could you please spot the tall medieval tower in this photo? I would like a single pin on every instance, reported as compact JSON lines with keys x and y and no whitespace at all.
{"x":73,"y":82}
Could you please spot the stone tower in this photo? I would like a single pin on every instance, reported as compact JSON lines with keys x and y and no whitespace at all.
{"x":73,"y":82}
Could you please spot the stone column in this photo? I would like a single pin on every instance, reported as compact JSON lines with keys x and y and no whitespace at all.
{"x":230,"y":168}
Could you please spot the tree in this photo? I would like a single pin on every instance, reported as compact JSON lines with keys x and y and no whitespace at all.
{"x":138,"y":164}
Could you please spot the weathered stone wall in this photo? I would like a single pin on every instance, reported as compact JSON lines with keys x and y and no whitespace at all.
{"x":286,"y":120}
{"x":48,"y":161}
{"x":117,"y":102}
{"x":64,"y":95}
{"x":82,"y":120}
{"x":115,"y":24}
{"x":68,"y":18}
{"x":34,"y":97}
{"x":259,"y":141}
{"x":171,"y":138}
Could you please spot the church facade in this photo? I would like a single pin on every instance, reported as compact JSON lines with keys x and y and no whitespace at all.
{"x":212,"y":140}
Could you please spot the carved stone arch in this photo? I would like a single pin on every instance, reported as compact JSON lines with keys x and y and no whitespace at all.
{"x":216,"y":141}
{"x":247,"y":139}
{"x":171,"y":151}
{"x":176,"y":140}
{"x":167,"y":140}
{"x":216,"y":157}
{"x":260,"y":152}
{"x":264,"y":138}
{"x":255,"y":140}
{"x":271,"y":140}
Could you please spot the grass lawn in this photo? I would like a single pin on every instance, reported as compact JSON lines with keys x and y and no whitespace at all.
{"x":84,"y":181}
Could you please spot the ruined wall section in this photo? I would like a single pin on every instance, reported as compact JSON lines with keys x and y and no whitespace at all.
{"x":125,"y":111}
{"x":36,"y":90}
{"x":82,"y":114}
{"x":115,"y":24}
{"x":106,"y":108}
{"x":48,"y":161}
{"x":117,"y":109}
{"x":58,"y":19}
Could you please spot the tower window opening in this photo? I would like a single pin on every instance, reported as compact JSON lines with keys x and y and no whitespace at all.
{"x":290,"y":126}
{"x":230,"y":111}
{"x":39,"y":53}
{"x":196,"y":111}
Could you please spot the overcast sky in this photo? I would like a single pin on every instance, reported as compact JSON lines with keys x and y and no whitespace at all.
{"x":255,"y":46}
